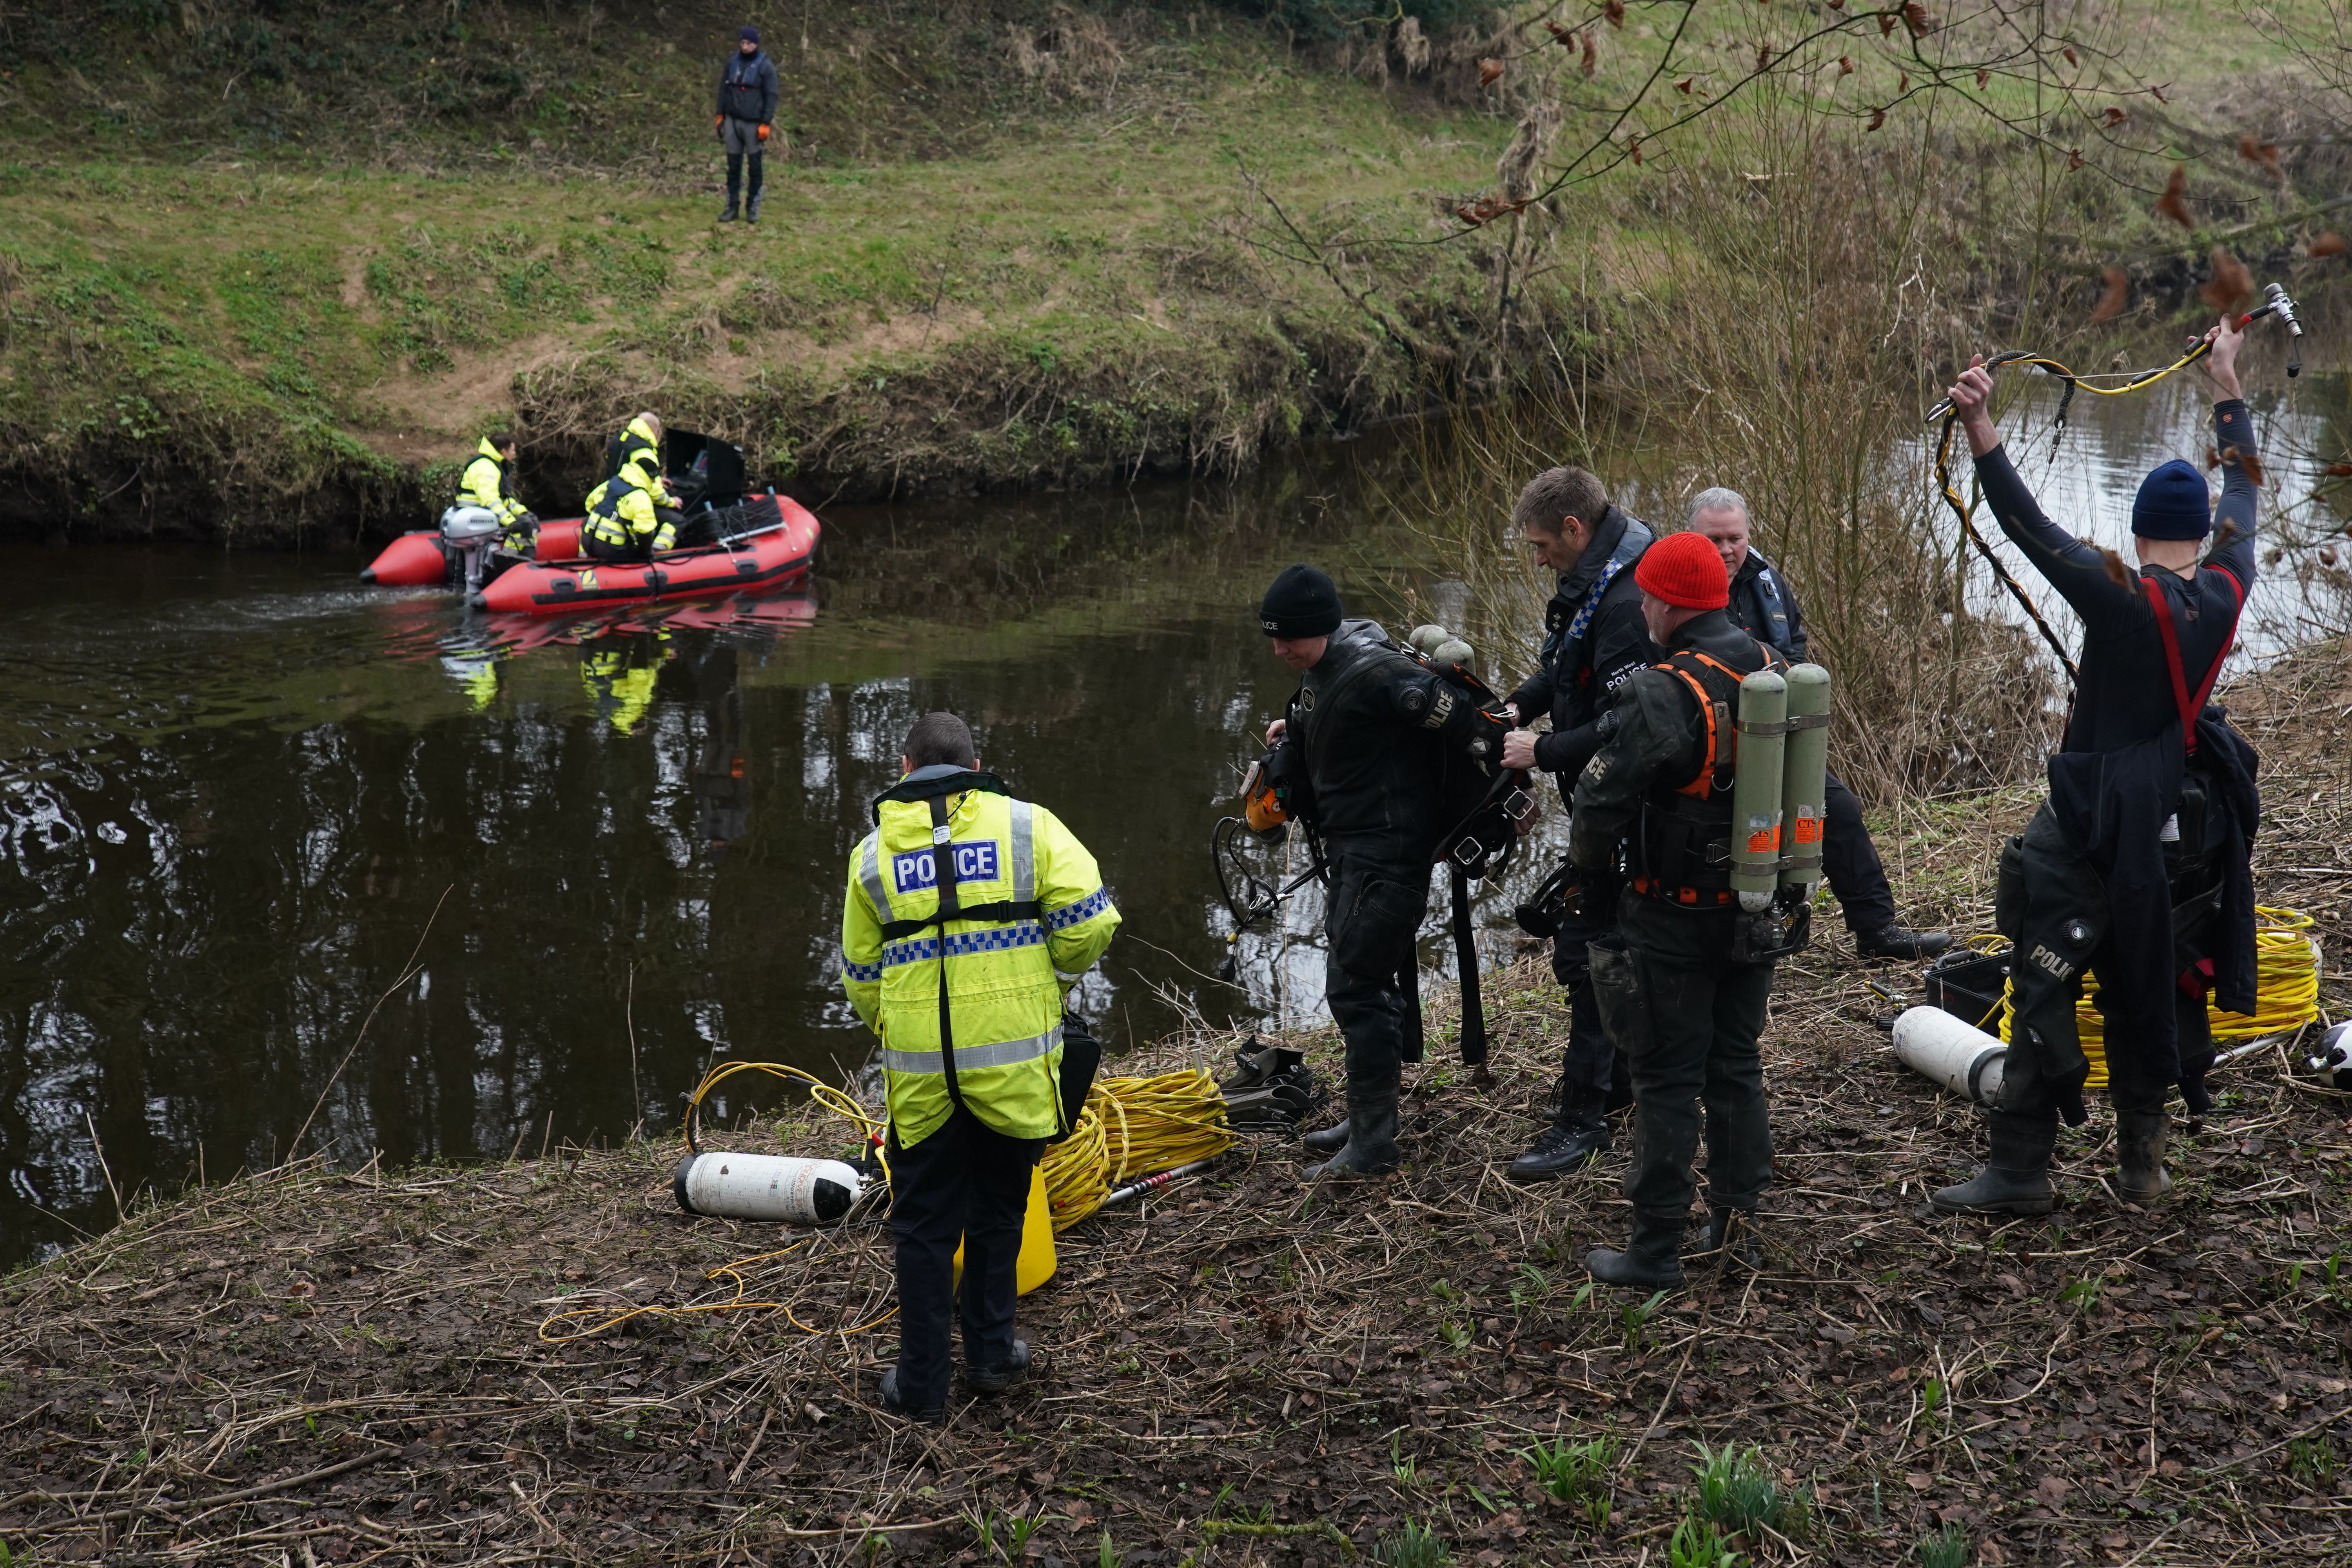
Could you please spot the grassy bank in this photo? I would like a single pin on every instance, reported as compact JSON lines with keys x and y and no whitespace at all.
{"x":347,"y":1366}
{"x":268,"y":274}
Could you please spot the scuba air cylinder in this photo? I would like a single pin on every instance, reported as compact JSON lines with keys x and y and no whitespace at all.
{"x":766,"y":1186}
{"x":1756,"y":789}
{"x":1804,"y":788}
{"x":1937,"y":1045}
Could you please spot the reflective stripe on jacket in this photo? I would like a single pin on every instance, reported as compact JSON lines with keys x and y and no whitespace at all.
{"x":485,"y":484}
{"x":627,"y":509}
{"x":1005,"y":978}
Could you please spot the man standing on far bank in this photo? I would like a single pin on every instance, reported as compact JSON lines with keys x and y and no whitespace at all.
{"x":747,"y":117}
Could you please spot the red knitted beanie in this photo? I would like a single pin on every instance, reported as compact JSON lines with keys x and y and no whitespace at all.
{"x":1685,"y":571}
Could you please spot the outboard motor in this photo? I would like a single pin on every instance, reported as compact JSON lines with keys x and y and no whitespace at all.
{"x":469,"y":531}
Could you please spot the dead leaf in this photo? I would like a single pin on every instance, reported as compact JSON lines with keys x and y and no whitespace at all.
{"x":1920,"y":1481}
{"x":2263,"y":155}
{"x":1615,"y":11}
{"x":2116,"y":299}
{"x":1489,"y":72}
{"x":1886,"y":23}
{"x":2329,"y":244}
{"x":2073,"y":160}
{"x":1877,"y":118}
{"x":1684,"y":87}
{"x":2072,"y":58}
{"x":1915,"y":16}
{"x":2114,"y":115}
{"x":1845,"y":65}
{"x":2013,"y":1284}
{"x":2052,"y":1490}
{"x":2172,"y":204}
{"x":2230,"y":284}
{"x":1983,"y":76}
{"x":1763,"y":56}
{"x":1591,"y":53}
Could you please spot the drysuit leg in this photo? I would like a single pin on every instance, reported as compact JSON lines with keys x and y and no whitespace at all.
{"x":752,"y":195}
{"x":2053,"y":906}
{"x":1593,"y":1069}
{"x":1375,"y":913}
{"x":734,"y":183}
{"x":1850,"y":861}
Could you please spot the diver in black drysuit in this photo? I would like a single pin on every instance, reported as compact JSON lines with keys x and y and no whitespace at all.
{"x":1593,"y":640}
{"x":2137,"y":868}
{"x":1371,"y":725}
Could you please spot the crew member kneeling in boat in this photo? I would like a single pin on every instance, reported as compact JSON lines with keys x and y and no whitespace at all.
{"x":972,"y":1037}
{"x":1764,"y":606}
{"x":628,"y":518}
{"x":2136,"y":868}
{"x":488,"y":483}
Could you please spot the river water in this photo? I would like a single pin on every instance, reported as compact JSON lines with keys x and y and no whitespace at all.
{"x":288,"y":862}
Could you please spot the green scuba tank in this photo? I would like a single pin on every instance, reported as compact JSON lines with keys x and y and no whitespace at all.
{"x":1805,"y":782}
{"x":1758,"y":765}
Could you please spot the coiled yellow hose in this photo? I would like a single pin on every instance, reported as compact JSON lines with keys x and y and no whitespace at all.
{"x":2286,"y":991}
{"x":1133,"y":1127}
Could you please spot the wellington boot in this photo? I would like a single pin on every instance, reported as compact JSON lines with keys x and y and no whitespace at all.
{"x":1329,"y":1141}
{"x":2139,"y":1139}
{"x":1995,"y":1191}
{"x":1651,"y":1261}
{"x":1004,"y":1374}
{"x":1731,"y":1237}
{"x":1371,"y":1147}
{"x":1578,"y":1133}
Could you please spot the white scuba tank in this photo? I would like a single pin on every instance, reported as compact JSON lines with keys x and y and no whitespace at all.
{"x":765,"y":1186}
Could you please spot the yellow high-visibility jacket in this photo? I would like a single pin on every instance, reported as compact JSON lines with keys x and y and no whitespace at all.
{"x":1006,"y":972}
{"x":626,"y":508}
{"x":485,"y":484}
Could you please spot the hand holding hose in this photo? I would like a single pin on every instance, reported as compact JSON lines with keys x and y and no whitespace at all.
{"x":1971,"y":398}
{"x":2224,"y":338}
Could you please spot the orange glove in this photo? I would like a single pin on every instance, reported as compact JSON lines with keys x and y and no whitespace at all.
{"x":763,"y":133}
{"x":719,"y":122}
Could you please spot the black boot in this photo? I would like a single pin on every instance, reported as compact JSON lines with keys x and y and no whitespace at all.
{"x":1577,"y":1133}
{"x":2016,"y":1179}
{"x":1004,"y":1374}
{"x":929,"y":1415}
{"x":1329,"y":1141}
{"x":1651,"y":1261}
{"x":1371,"y":1149}
{"x":1731,"y":1236}
{"x":1899,"y":941}
{"x":2140,"y":1140}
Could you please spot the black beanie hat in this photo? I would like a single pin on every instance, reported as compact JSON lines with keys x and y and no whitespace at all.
{"x":1303,"y":603}
{"x":2173,"y":503}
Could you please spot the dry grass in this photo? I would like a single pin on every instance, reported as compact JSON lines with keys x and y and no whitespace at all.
{"x":316,"y":1366}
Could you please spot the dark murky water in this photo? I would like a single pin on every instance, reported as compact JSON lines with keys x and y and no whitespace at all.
{"x":250,"y":807}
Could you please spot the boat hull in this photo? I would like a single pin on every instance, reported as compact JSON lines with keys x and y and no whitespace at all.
{"x":776,"y":557}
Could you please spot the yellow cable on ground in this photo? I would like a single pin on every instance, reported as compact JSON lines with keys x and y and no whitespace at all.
{"x":2286,"y":991}
{"x":1131,"y":1127}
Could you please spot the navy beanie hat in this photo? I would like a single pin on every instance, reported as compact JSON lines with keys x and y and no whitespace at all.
{"x":1303,"y":603}
{"x":2173,"y":503}
{"x":751,"y":34}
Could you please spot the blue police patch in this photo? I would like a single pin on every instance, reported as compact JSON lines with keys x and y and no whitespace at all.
{"x":974,"y":862}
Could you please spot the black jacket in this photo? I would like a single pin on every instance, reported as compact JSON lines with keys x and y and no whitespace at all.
{"x":1594,"y":638}
{"x":747,"y":88}
{"x":1659,"y":740}
{"x":1373,"y":725}
{"x":1764,"y":606}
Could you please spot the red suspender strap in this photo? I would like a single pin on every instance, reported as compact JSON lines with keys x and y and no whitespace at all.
{"x":2170,"y":636}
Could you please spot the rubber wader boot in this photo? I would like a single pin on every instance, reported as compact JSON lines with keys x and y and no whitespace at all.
{"x":1731,"y":1236}
{"x":2139,"y":1136}
{"x":1577,"y":1133}
{"x":1004,"y":1374}
{"x":1652,"y":1260}
{"x":929,"y":1415}
{"x":2016,"y":1180}
{"x":1371,"y":1149}
{"x":1329,"y":1141}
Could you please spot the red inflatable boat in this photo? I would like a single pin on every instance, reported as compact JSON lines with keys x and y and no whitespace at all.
{"x":417,"y":560}
{"x":768,"y":557}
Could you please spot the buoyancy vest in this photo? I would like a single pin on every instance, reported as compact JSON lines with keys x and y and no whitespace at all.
{"x":1682,"y":853}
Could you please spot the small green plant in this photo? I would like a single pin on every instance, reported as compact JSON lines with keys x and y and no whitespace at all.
{"x":1736,"y":1491}
{"x":1406,"y":1468}
{"x":1947,"y":1548}
{"x":1931,"y":1397}
{"x":984,"y":1531}
{"x":1698,"y":1544}
{"x":1414,"y":1546}
{"x":1107,"y":1552}
{"x":2313,"y":1461}
{"x":1455,"y":1335}
{"x":1596,"y":1511}
{"x":1574,"y":1472}
{"x":1584,"y":1294}
{"x":2083,"y":1294}
{"x":1020,"y":1529}
{"x":1636,"y":1319}
{"x":1446,"y":1290}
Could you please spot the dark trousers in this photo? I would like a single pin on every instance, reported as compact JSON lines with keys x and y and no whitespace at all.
{"x":964,"y":1183}
{"x":735,"y":191}
{"x":1590,"y":1067}
{"x":640,"y":548}
{"x":2053,"y":908}
{"x":1688,"y":1019}
{"x":1850,"y":861}
{"x":1374,"y":915}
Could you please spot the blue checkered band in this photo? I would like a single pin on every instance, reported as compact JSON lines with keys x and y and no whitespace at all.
{"x":963,"y":944}
{"x":852,"y":970}
{"x":1085,"y":909}
{"x":1585,"y":612}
